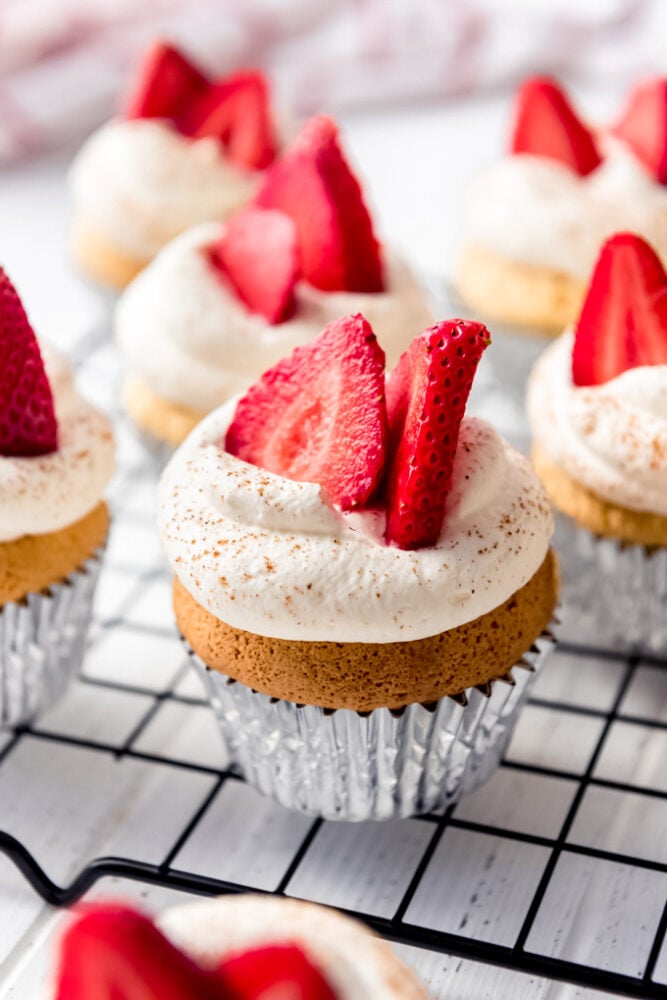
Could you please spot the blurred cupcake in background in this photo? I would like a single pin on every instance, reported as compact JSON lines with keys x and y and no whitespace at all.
{"x":185,"y":150}
{"x":225,"y":301}
{"x":56,"y":458}
{"x":597,"y":403}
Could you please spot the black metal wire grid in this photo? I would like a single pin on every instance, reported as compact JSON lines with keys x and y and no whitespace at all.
{"x":519,"y":955}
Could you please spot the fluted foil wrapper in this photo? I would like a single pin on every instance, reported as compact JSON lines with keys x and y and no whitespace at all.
{"x":42,"y":641}
{"x":378,"y":765}
{"x":614,"y":594}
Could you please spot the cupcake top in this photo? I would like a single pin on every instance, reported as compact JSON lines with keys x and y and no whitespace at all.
{"x":563,"y":189}
{"x":185,"y":150}
{"x":597,"y":398}
{"x":56,"y":449}
{"x":328,"y":505}
{"x":233,"y":947}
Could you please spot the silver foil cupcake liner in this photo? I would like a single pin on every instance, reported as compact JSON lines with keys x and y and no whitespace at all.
{"x":379,"y":765}
{"x":614,"y":594}
{"x":42,"y":641}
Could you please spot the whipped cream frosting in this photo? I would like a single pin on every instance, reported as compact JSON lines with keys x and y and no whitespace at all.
{"x":140,"y":183}
{"x":537,"y":211}
{"x":356,"y":964}
{"x":47,"y":492}
{"x":268,"y":555}
{"x":612,"y":438}
{"x":182,"y":328}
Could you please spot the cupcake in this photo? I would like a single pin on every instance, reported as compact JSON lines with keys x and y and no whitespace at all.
{"x":358,"y":571}
{"x":597,"y":403}
{"x":225,"y":301}
{"x":231,"y":948}
{"x":185,"y":150}
{"x":56,"y":458}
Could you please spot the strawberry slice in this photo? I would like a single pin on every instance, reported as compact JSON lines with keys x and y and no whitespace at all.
{"x":257,"y":253}
{"x":115,"y":952}
{"x":236,"y":111}
{"x":426,"y":399}
{"x":319,"y":416}
{"x":644,"y":125}
{"x":623,"y":321}
{"x":274,"y":972}
{"x":546,"y":124}
{"x":27,"y":418}
{"x":313,"y":184}
{"x":167,"y":85}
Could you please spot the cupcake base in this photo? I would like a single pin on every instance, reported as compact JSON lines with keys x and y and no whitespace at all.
{"x":159,"y":419}
{"x":99,"y":260}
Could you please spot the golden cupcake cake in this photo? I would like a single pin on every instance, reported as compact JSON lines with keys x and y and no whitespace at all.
{"x":56,"y":458}
{"x":358,"y":571}
{"x":225,"y":301}
{"x":597,"y":404}
{"x":186,"y":149}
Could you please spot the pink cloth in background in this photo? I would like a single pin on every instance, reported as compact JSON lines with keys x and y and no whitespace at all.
{"x":64,"y":64}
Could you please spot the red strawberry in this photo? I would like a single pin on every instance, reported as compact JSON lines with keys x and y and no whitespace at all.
{"x":644,"y":125}
{"x":258,"y":255}
{"x":623,"y":321}
{"x":546,"y":125}
{"x":280,"y":972}
{"x":313,"y":184}
{"x":167,"y":85}
{"x":426,"y":399}
{"x":114,"y":953}
{"x":319,"y":416}
{"x":27,"y":419}
{"x":236,"y":111}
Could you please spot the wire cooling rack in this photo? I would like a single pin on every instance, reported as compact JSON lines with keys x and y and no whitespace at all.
{"x":556,"y":868}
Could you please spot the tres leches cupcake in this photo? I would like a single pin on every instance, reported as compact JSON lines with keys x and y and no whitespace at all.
{"x":233,"y":948}
{"x":358,"y":570}
{"x":225,"y":301}
{"x":597,"y":403}
{"x":186,"y":150}
{"x":56,"y":458}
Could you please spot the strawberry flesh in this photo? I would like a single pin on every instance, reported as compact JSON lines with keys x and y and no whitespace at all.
{"x":274,"y":973}
{"x":623,"y":321}
{"x":319,"y":415}
{"x":644,"y":126}
{"x":546,"y":125}
{"x":28,"y":423}
{"x":167,"y":85}
{"x":426,"y":399}
{"x":257,"y":254}
{"x":313,"y":184}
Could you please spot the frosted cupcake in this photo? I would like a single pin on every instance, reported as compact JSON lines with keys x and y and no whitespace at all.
{"x":56,"y":458}
{"x":186,"y":150}
{"x":227,"y":300}
{"x":234,"y":947}
{"x":597,"y":404}
{"x":358,"y":571}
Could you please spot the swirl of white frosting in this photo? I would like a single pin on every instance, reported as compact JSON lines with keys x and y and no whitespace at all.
{"x":610,"y":437}
{"x":141,"y":182}
{"x":45,"y":493}
{"x":537,"y":211}
{"x":184,"y":330}
{"x":268,"y":555}
{"x":355,"y":963}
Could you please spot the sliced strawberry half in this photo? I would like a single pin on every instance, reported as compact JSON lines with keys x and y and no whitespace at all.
{"x":257,"y":253}
{"x":274,"y":972}
{"x":314,"y":185}
{"x":546,"y":124}
{"x":644,"y":125}
{"x":426,"y":399}
{"x":319,"y":416}
{"x":167,"y":85}
{"x":623,"y":321}
{"x":115,"y":952}
{"x":27,"y":418}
